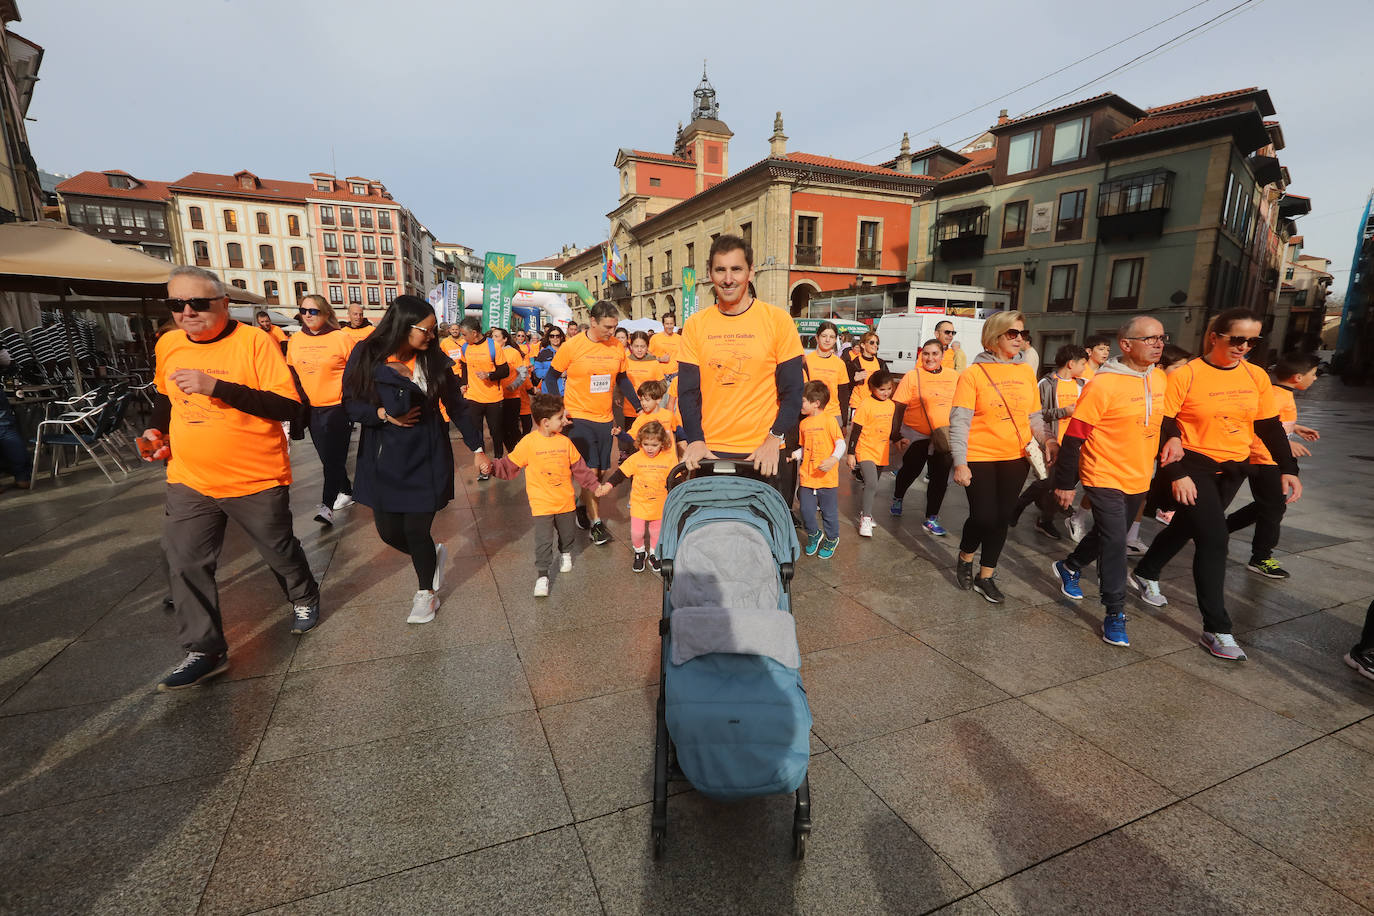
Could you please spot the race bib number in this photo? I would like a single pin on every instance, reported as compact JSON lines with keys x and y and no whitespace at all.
{"x":600,"y":384}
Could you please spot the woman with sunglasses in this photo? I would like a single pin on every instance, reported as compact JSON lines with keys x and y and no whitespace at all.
{"x":994,"y":414}
{"x":394,"y":383}
{"x":317,"y":357}
{"x":861,"y":364}
{"x":548,"y":346}
{"x":1214,"y":408}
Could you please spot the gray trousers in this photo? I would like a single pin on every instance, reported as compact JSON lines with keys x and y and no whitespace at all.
{"x":546,"y":528}
{"x":192,"y":536}
{"x":870,"y":471}
{"x":1105,"y":544}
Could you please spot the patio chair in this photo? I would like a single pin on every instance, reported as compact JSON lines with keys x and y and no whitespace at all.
{"x":83,"y":431}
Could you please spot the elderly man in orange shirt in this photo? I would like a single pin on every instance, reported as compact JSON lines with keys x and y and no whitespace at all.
{"x":224,"y":392}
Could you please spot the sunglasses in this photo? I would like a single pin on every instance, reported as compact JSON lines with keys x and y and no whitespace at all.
{"x":200,"y":304}
{"x":1237,"y":341}
{"x":949,"y":332}
{"x":311,"y":312}
{"x":1016,"y":334}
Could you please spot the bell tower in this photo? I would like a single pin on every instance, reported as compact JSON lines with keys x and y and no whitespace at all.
{"x":706,"y":139}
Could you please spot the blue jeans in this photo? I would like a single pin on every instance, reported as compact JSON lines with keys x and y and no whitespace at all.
{"x":14,"y":455}
{"x":827,"y":499}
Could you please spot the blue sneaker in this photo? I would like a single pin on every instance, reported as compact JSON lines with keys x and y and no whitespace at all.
{"x":897,"y":508}
{"x":813,"y":542}
{"x":1068,"y":581}
{"x":932,"y":525}
{"x":828,"y":548}
{"x":1114,"y":630}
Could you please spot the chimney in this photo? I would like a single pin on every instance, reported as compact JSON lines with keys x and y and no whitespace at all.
{"x":1002,"y":117}
{"x":904,"y":157}
{"x":777,"y":144}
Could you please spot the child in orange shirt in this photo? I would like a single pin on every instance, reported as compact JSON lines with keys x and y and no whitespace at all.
{"x":877,"y":423}
{"x":651,"y":409}
{"x":650,"y":467}
{"x":553,"y":464}
{"x":822,"y":447}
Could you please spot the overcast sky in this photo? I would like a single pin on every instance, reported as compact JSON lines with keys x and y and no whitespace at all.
{"x":497,"y":122}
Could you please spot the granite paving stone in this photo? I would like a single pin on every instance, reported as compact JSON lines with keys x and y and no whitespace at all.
{"x":575,"y":664}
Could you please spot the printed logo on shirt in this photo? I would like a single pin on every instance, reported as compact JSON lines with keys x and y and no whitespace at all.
{"x":729,"y":370}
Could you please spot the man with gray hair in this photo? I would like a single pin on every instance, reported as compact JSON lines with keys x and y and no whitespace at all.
{"x":1111,"y":444}
{"x":224,"y":391}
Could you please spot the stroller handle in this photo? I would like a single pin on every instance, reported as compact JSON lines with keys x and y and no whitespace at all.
{"x":712,"y":466}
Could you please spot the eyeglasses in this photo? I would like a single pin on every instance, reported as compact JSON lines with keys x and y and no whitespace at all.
{"x":948,"y":331}
{"x":200,"y":304}
{"x":1153,"y":340}
{"x":1016,"y":334}
{"x":1237,"y":341}
{"x":428,"y":332}
{"x":311,"y":312}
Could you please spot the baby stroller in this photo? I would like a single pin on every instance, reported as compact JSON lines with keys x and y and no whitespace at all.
{"x":732,"y":715}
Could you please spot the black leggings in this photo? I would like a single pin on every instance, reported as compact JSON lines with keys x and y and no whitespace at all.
{"x":408,"y":532}
{"x":1265,"y":513}
{"x":992,"y":495}
{"x":495,"y":415}
{"x":510,"y":422}
{"x":912,"y":463}
{"x":330,"y":432}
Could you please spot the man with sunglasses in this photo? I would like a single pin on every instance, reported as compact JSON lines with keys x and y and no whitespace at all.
{"x":224,"y":391}
{"x":1111,"y":444}
{"x":953,"y":357}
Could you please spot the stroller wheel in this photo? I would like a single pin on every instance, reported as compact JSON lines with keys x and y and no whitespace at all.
{"x":658,"y":844}
{"x":799,"y":846}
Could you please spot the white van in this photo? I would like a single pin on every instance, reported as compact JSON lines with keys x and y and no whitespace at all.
{"x":900,"y":337}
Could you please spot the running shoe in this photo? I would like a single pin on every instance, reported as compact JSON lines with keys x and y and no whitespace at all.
{"x":541,"y":587}
{"x":565,"y":563}
{"x":324,"y":515}
{"x":483,"y":475}
{"x":639,"y":561}
{"x":600,"y":536}
{"x":932,"y":525}
{"x":195,"y":668}
{"x":828,"y":548}
{"x":1362,"y":662}
{"x":304,"y":617}
{"x":813,"y":542}
{"x":582,"y":521}
{"x":1149,"y":590}
{"x":1049,"y":529}
{"x":865,"y":526}
{"x":1269,"y":568}
{"x":343,"y":501}
{"x":440,"y":561}
{"x":988,"y":589}
{"x":1114,"y":630}
{"x":1136,"y":547}
{"x":422,"y":608}
{"x":897,"y":508}
{"x":1078,"y":527}
{"x":963,"y":574}
{"x":1068,"y":580}
{"x":654,"y":564}
{"x":1223,"y":645}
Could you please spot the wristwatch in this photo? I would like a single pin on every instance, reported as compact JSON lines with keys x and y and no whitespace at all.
{"x":782,"y":440}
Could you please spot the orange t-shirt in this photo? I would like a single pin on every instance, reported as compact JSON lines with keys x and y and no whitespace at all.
{"x":357,"y":333}
{"x":640,"y":371}
{"x":875,"y":417}
{"x":737,"y":356}
{"x":548,"y":463}
{"x":650,"y":488}
{"x":947,"y":359}
{"x":1066,"y":394}
{"x":1216,"y":408}
{"x":277,"y":334}
{"x":1288,"y":413}
{"x":927,"y":397}
{"x":670,"y":345}
{"x":319,"y":362}
{"x":478,"y":358}
{"x":1125,"y":413}
{"x":590,"y":370}
{"x":995,"y":434}
{"x":670,"y":419}
{"x":818,"y":434}
{"x":829,"y":369}
{"x":515,"y":359}
{"x":216,"y":450}
{"x":861,"y":392}
{"x":451,"y":347}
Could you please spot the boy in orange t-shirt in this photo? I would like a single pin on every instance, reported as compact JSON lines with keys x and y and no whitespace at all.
{"x":877,"y":423}
{"x":650,"y":467}
{"x":552,"y":464}
{"x":822,"y":447}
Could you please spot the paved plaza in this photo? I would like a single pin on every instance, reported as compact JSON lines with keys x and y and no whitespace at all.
{"x":967,"y":758}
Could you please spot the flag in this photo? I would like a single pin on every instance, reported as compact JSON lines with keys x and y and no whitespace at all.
{"x":605,"y":265}
{"x":617,"y":265}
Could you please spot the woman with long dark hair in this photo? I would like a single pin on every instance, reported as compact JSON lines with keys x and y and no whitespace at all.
{"x":395,"y":380}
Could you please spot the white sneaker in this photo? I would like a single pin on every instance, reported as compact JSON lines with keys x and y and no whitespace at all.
{"x":565,"y":563}
{"x":865,"y":526}
{"x":1149,"y":590}
{"x":343,"y":501}
{"x":423,"y":607}
{"x":541,"y":586}
{"x":1078,"y":527}
{"x":440,"y":561}
{"x":1223,"y":645}
{"x":1136,"y":546}
{"x":324,"y":515}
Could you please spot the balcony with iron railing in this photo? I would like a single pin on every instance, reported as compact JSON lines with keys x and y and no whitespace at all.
{"x":808,"y":255}
{"x":618,"y":290}
{"x":665,"y":278}
{"x":869,"y":259}
{"x":961,"y":234}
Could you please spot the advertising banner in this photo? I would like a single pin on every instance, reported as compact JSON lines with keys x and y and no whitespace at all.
{"x":689,"y":294}
{"x":498,"y":289}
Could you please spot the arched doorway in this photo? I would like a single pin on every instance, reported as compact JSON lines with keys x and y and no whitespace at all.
{"x":668,"y":305}
{"x":650,"y":309}
{"x":801,"y":297}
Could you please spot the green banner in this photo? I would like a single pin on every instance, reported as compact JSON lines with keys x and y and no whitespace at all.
{"x":557,"y":286}
{"x":498,"y":289}
{"x":689,"y":294}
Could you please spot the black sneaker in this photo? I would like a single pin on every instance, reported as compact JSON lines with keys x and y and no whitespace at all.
{"x":638,"y":564}
{"x":1362,"y":662}
{"x":1269,"y":568}
{"x":600,"y":536}
{"x":304,"y":617}
{"x":1049,"y":529}
{"x":582,"y":521}
{"x":988,"y":589}
{"x":481,"y":476}
{"x":654,"y":564}
{"x":963,"y":574}
{"x":194,"y":669}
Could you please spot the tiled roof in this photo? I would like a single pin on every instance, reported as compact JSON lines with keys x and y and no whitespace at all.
{"x":979,"y":160}
{"x":346,"y":196}
{"x":827,"y":162}
{"x":1176,"y":119}
{"x":1295,"y":240}
{"x":662,"y":157}
{"x":1200,"y":100}
{"x":1041,"y":114}
{"x":227,"y":185}
{"x":544,"y":262}
{"x":96,"y":185}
